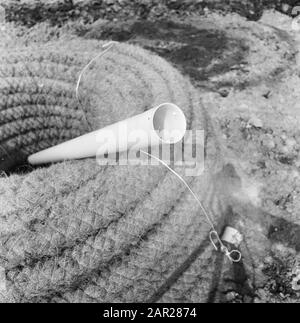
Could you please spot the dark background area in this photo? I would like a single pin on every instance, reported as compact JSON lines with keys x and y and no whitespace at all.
{"x":30,"y":12}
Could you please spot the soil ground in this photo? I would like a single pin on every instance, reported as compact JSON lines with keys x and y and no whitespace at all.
{"x":248,"y":74}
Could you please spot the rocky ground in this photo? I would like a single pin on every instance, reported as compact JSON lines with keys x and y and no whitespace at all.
{"x":57,"y":12}
{"x":246,"y":64}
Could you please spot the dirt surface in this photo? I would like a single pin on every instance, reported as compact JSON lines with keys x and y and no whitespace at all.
{"x":30,"y":12}
{"x":248,"y":73}
{"x":58,"y":12}
{"x":215,"y":54}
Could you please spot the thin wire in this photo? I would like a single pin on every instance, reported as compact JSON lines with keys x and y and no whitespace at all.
{"x":213,"y":232}
{"x":186,"y":184}
{"x":107,"y":47}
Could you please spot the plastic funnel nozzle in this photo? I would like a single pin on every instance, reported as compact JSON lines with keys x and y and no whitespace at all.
{"x":163,"y":124}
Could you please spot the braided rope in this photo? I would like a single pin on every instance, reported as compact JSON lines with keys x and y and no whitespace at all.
{"x":72,"y":229}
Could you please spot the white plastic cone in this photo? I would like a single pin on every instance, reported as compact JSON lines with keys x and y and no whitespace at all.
{"x":163,"y":124}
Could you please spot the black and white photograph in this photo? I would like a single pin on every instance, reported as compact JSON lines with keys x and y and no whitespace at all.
{"x":149,"y":154}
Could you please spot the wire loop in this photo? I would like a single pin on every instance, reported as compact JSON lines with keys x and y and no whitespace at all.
{"x":224,"y":249}
{"x":231,"y":256}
